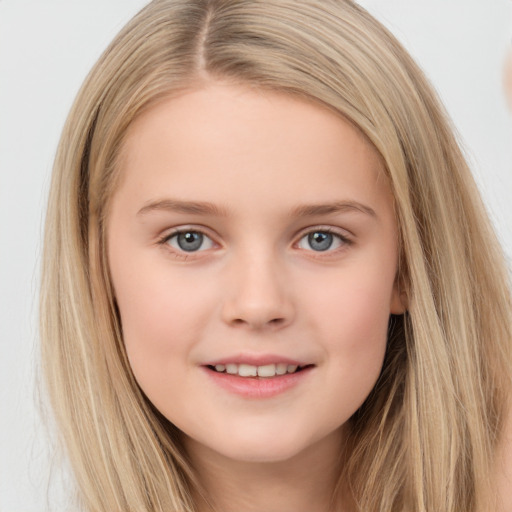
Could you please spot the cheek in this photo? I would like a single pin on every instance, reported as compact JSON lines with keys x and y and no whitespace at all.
{"x":353,"y":319}
{"x":159,"y":331}
{"x":159,"y":319}
{"x":355,"y":307}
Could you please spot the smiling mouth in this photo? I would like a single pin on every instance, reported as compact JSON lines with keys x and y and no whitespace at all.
{"x":265,"y":371}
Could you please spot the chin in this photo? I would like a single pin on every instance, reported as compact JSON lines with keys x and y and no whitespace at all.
{"x":261,"y":454}
{"x":259,"y":446}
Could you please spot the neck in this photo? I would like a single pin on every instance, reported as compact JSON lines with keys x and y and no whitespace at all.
{"x":305,"y":483}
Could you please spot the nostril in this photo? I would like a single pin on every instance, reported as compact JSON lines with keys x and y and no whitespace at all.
{"x":274,"y":322}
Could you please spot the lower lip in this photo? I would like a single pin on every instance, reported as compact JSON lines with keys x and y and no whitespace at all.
{"x":258,"y":387}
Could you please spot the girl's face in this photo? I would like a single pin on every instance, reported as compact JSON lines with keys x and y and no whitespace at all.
{"x":253,"y":234}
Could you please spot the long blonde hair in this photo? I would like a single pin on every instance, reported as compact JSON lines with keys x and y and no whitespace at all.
{"x":425,"y":439}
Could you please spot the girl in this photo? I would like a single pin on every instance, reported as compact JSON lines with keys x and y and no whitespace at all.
{"x":269,"y":282}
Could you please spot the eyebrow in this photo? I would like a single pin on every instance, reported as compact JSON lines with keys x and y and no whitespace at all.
{"x":330,"y":208}
{"x":206,"y":208}
{"x":191,"y":207}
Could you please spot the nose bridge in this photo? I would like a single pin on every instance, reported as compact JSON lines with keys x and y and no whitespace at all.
{"x":257,"y":294}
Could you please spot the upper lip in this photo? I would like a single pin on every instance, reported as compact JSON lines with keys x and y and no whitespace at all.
{"x":256,"y":360}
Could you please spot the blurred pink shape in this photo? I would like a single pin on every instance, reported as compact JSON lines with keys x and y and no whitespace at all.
{"x":507,"y":78}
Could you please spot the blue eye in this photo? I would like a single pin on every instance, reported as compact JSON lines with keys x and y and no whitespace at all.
{"x":190,"y":241}
{"x":321,"y":241}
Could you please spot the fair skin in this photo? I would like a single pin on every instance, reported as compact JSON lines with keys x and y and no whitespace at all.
{"x":503,"y":475}
{"x":254,"y":228}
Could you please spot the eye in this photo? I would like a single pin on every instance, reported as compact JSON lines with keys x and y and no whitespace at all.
{"x":321,"y":241}
{"x":189,"y":241}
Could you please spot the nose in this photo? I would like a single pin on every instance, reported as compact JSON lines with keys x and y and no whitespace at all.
{"x":258,"y":294}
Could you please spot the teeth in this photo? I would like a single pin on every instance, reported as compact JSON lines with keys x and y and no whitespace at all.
{"x":232,"y":368}
{"x":247,"y":370}
{"x":268,"y":370}
{"x":281,"y":368}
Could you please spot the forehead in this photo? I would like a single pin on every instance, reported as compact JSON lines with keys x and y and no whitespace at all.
{"x":225,"y":138}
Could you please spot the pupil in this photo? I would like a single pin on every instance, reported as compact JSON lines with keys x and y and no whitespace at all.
{"x":320,"y":241}
{"x":190,"y":241}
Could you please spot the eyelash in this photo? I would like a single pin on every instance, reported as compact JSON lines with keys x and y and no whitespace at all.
{"x":164,"y":241}
{"x":343,"y":239}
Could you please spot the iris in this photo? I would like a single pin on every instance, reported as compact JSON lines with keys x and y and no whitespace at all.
{"x":320,"y":240}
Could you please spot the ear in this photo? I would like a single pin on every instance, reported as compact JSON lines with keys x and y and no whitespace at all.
{"x":399,"y":300}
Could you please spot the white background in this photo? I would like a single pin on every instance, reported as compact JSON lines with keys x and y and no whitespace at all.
{"x":46,"y":49}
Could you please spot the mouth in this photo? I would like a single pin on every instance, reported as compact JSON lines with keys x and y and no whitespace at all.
{"x":258,"y":377}
{"x":267,"y":371}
